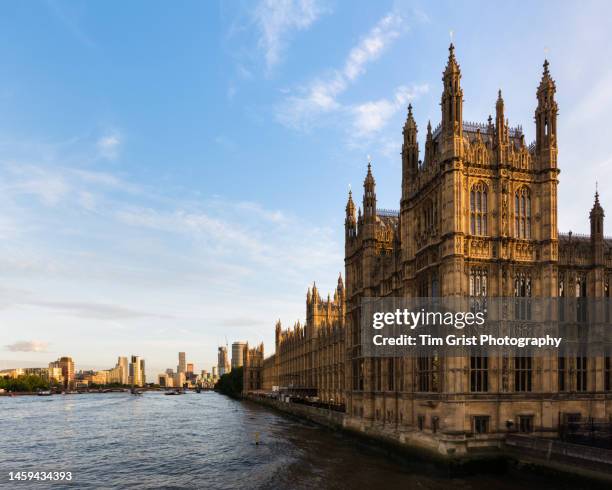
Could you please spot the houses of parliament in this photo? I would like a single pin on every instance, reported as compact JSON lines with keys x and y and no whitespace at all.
{"x":477,"y":218}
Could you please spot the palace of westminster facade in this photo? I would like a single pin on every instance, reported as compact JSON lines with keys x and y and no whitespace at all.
{"x":477,"y":217}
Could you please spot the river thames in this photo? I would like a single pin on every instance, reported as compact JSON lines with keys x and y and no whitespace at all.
{"x":205,"y":440}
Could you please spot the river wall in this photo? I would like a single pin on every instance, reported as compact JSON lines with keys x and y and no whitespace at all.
{"x":550,"y":457}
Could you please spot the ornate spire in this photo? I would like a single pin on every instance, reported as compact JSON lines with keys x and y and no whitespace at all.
{"x":452,"y":96}
{"x":369,"y":180}
{"x":546,"y":120}
{"x":369,"y":195}
{"x":547,"y":83}
{"x":596,"y":205}
{"x":451,"y":66}
{"x":350,"y":205}
{"x":500,"y":100}
{"x":350,"y":220}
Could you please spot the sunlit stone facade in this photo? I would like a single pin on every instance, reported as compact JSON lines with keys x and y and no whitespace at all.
{"x":477,"y":217}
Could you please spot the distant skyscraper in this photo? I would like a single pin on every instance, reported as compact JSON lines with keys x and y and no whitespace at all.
{"x":182,"y":367}
{"x":122,"y":364}
{"x":137,"y":377}
{"x":214,"y":371}
{"x":66,"y":364}
{"x":237,"y":353}
{"x":142,"y":372}
{"x":190,"y":367}
{"x":222,"y":361}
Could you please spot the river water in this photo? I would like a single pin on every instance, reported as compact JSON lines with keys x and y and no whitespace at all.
{"x":205,"y":440}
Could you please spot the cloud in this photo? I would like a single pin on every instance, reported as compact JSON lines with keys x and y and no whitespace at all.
{"x":372,"y":45}
{"x":371,"y":117}
{"x":278,"y":20}
{"x":320,"y":96}
{"x":53,"y":185}
{"x":50,"y":187}
{"x":81,"y":309}
{"x":108,"y":145}
{"x":28,"y":346}
{"x":239,"y":232}
{"x":239,"y":322}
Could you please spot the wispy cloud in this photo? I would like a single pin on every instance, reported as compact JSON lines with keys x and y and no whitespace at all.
{"x":28,"y":346}
{"x":301,"y":110}
{"x":48,"y":186}
{"x":370,"y":117}
{"x":278,"y":20}
{"x":108,"y":145}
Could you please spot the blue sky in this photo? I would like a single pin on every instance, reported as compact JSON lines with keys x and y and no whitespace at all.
{"x":172,"y":174}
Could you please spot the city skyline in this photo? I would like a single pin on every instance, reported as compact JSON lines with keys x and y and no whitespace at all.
{"x":137,"y":223}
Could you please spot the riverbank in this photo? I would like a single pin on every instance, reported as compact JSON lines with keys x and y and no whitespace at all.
{"x":89,"y":392}
{"x":551,"y":459}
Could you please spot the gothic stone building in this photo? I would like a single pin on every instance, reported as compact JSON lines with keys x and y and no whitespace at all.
{"x":477,"y":217}
{"x":310,"y":358}
{"x":252,"y":368}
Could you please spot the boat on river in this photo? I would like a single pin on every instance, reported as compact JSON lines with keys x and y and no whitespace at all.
{"x":174,"y":392}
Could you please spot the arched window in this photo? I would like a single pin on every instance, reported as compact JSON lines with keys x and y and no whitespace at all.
{"x":478,"y":289}
{"x":522,"y":213}
{"x":581,"y":295}
{"x":522,"y":293}
{"x":478,"y":209}
{"x":478,"y":282}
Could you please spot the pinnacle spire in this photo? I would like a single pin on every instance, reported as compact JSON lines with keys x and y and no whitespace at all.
{"x":451,"y":65}
{"x":350,"y":205}
{"x":369,"y":177}
{"x":547,"y":82}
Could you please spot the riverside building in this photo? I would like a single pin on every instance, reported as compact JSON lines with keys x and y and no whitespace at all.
{"x":477,"y":218}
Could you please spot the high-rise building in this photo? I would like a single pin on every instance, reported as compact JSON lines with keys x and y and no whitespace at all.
{"x":182,"y":365}
{"x":54,"y":373}
{"x":66,"y":367}
{"x":142,"y":371}
{"x":222,"y":362}
{"x":215,"y":373}
{"x":122,"y":364}
{"x":237,"y":354}
{"x":190,"y":367}
{"x":120,"y":373}
{"x":137,"y":376}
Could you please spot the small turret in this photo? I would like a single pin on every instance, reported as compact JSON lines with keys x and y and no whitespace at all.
{"x":369,"y":197}
{"x":499,"y":116}
{"x":350,"y":222}
{"x":277,"y":334}
{"x":452,"y":96}
{"x":596,"y":217}
{"x":546,"y":121}
{"x":410,"y":152}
